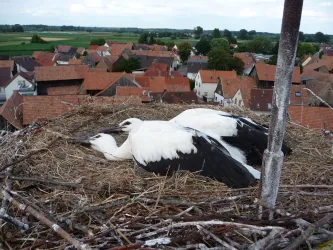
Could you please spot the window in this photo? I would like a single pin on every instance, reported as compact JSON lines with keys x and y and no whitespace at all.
{"x":269,"y":105}
{"x":215,"y":98}
{"x":258,"y":105}
{"x":206,"y":93}
{"x":240,"y":103}
{"x":298,"y":93}
{"x":199,"y":92}
{"x":20,"y":82}
{"x":236,"y":101}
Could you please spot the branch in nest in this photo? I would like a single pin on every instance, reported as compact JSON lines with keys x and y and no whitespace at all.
{"x":11,"y":220}
{"x":72,"y":185}
{"x":56,"y":228}
{"x":311,"y":229}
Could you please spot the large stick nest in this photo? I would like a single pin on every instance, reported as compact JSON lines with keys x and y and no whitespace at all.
{"x":116,"y":194}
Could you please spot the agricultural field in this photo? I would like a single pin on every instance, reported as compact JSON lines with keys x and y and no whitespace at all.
{"x":16,"y":44}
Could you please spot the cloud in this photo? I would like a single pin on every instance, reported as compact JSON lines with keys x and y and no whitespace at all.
{"x":77,"y":8}
{"x":326,"y":4}
{"x":247,"y":12}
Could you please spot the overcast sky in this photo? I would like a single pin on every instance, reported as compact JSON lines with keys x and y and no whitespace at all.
{"x":260,"y":15}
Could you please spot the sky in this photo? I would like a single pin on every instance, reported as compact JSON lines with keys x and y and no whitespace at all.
{"x":260,"y":15}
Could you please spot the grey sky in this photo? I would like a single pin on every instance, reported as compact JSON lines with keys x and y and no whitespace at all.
{"x":260,"y":15}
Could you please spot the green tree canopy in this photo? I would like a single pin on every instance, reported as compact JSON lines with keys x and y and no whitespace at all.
{"x":272,"y":60}
{"x":275,"y":49}
{"x":128,"y":66}
{"x":220,"y":43}
{"x":258,"y":45}
{"x":143,"y":38}
{"x":219,"y":59}
{"x":99,"y":41}
{"x":216,"y":33}
{"x":227,"y":34}
{"x":37,"y":39}
{"x":305,"y":49}
{"x":203,"y":46}
{"x":301,"y":37}
{"x":170,"y":45}
{"x":243,"y":34}
{"x":184,"y":50}
{"x":321,"y":37}
{"x":151,"y":39}
{"x":197,"y":32}
{"x":252,"y":33}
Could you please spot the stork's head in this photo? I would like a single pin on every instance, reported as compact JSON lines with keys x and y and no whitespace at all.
{"x":130,"y":124}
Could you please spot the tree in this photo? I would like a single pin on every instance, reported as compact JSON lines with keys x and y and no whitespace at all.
{"x":37,"y":39}
{"x":192,"y":84}
{"x":252,"y":33}
{"x":272,"y":60}
{"x":52,"y":49}
{"x":151,"y":39}
{"x":260,"y":45}
{"x":143,"y":38}
{"x":227,"y":34}
{"x":219,"y":59}
{"x":17,"y":28}
{"x":232,"y":40}
{"x":128,"y":65}
{"x":173,"y":37}
{"x":321,"y":37}
{"x":184,"y":50}
{"x":220,"y":43}
{"x":203,"y":46}
{"x":321,"y":53}
{"x":305,"y":49}
{"x":275,"y":49}
{"x":243,"y":34}
{"x":85,"y":53}
{"x":216,"y":33}
{"x":197,"y":32}
{"x":301,"y":36}
{"x":170,"y":45}
{"x":100,"y":42}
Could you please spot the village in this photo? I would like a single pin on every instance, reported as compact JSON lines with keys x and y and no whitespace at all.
{"x":48,"y":84}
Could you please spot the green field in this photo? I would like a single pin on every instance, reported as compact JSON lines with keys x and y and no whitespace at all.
{"x":11,"y":43}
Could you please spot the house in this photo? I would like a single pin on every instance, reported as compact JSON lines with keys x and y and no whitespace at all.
{"x":63,"y":90}
{"x":318,"y":66}
{"x":5,"y":57}
{"x":202,"y":59}
{"x":194,"y":67}
{"x":206,"y":82}
{"x":265,"y":75}
{"x":261,"y":100}
{"x":75,"y":62}
{"x":46,"y":107}
{"x":158,"y":54}
{"x":121,"y":46}
{"x":9,"y":64}
{"x":141,"y":47}
{"x":25,"y":64}
{"x":264,"y":58}
{"x":44,"y":58}
{"x":5,"y":76}
{"x":147,"y":61}
{"x":161,"y":83}
{"x":247,"y":60}
{"x":93,"y":47}
{"x":312,"y":117}
{"x":103,"y":51}
{"x":64,"y":53}
{"x":21,"y":82}
{"x":91,"y":60}
{"x":234,"y":91}
{"x":81,"y":51}
{"x":156,"y":47}
{"x":11,"y":113}
{"x":56,"y":76}
{"x":107,"y":62}
{"x":104,"y":83}
{"x":158,"y":69}
{"x":175,"y":97}
{"x":328,"y":62}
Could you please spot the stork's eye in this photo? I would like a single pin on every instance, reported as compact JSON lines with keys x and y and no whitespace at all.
{"x":126,"y":123}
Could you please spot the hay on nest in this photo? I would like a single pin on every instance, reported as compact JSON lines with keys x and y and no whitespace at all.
{"x":107,"y":204}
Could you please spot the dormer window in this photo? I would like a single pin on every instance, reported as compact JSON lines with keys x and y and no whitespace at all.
{"x":298,"y":94}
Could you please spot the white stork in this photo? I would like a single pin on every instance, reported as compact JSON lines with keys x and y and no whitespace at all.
{"x":164,"y":147}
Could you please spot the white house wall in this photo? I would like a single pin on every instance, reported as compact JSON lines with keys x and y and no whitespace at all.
{"x":14,"y":85}
{"x":205,"y":89}
{"x":238,"y":97}
{"x":218,"y":98}
{"x":192,"y":76}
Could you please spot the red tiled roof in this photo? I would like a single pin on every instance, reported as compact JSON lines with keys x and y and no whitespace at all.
{"x":100,"y":80}
{"x":129,"y":91}
{"x":118,"y":46}
{"x":116,"y":52}
{"x":93,"y":47}
{"x":328,"y":62}
{"x":95,"y":56}
{"x":247,"y":60}
{"x":98,"y":70}
{"x":176,"y":97}
{"x":312,"y":117}
{"x":157,"y":69}
{"x":153,"y":53}
{"x":80,"y":50}
{"x":45,"y":107}
{"x":7,"y":64}
{"x":214,"y":76}
{"x":11,"y":110}
{"x":160,"y":83}
{"x":45,"y":62}
{"x":63,"y":48}
{"x":101,"y":48}
{"x":231,"y":85}
{"x":58,"y":73}
{"x":75,"y":62}
{"x":63,"y":90}
{"x":266,"y":72}
{"x":43,"y":56}
{"x":176,"y":74}
{"x":315,"y":65}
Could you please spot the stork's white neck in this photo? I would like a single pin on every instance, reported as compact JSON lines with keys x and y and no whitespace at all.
{"x":115,"y":153}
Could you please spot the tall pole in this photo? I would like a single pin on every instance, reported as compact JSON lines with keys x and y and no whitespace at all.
{"x":273,"y":156}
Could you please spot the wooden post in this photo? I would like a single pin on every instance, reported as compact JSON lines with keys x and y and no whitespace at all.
{"x":273,"y":156}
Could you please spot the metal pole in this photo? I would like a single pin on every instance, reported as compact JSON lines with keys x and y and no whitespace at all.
{"x":273,"y":156}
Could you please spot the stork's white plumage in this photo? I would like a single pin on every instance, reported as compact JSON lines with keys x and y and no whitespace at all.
{"x":164,"y":147}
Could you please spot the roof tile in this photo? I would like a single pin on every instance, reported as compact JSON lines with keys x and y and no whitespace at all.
{"x":214,"y":76}
{"x":58,"y":73}
{"x":266,"y":72}
{"x":100,"y":80}
{"x":7,"y":64}
{"x":11,"y":110}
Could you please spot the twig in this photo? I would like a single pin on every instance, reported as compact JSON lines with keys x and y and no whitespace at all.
{"x":320,"y":99}
{"x":29,"y":155}
{"x":14,"y":221}
{"x":206,"y":223}
{"x":57,"y":229}
{"x":311,"y":229}
{"x":223,"y":243}
{"x":262,"y":244}
{"x":72,"y":185}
